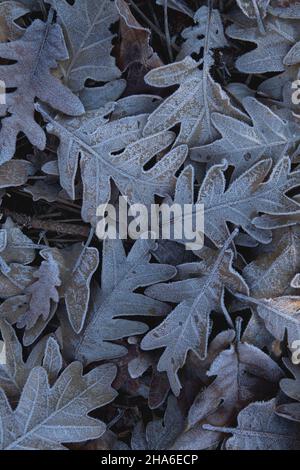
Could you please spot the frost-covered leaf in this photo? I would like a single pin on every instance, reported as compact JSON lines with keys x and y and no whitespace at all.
{"x":47,"y":417}
{"x":195,"y":36}
{"x":15,"y":371}
{"x":272,"y":44}
{"x":9,"y":12}
{"x":281,"y":316}
{"x":187,"y":327}
{"x":259,"y":428}
{"x":86,"y":24}
{"x":121,"y":276}
{"x":241,"y":201}
{"x":243,"y":145}
{"x":192,"y":105}
{"x":80,"y":265}
{"x":99,"y":143}
{"x":271,"y":273}
{"x":243,"y":374}
{"x":35,"y":55}
{"x":43,"y":291}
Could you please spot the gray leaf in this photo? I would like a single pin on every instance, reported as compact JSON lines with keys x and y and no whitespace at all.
{"x":187,"y":327}
{"x":191,"y":105}
{"x":36,"y":53}
{"x":86,"y":24}
{"x":121,"y":276}
{"x":45,"y":417}
{"x":243,"y":145}
{"x":259,"y":428}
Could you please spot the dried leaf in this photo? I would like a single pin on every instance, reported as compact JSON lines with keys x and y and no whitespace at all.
{"x":121,"y":276}
{"x":86,"y":24}
{"x":272,"y":44}
{"x":243,"y":145}
{"x":99,"y":143}
{"x":45,"y":417}
{"x":187,"y":327}
{"x":36,"y":53}
{"x":243,"y":374}
{"x":191,"y":105}
{"x":259,"y":428}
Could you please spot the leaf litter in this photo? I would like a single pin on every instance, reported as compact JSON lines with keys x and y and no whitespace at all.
{"x":188,"y":102}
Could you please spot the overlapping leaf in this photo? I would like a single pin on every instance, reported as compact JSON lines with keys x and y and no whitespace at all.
{"x":196,"y":99}
{"x":99,"y":143}
{"x":259,"y":428}
{"x":243,"y":374}
{"x":187,"y":327}
{"x":35,"y":55}
{"x":243,"y":145}
{"x":86,"y":24}
{"x":121,"y":276}
{"x":273,"y":43}
{"x":47,"y":417}
{"x":240,"y":202}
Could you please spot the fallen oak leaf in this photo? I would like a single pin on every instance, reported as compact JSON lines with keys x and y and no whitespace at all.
{"x":35,"y":54}
{"x":45,"y":417}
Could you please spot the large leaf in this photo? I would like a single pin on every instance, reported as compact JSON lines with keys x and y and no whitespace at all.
{"x":259,"y":428}
{"x":243,"y":374}
{"x":35,"y":54}
{"x":86,"y":24}
{"x":243,"y":145}
{"x":242,"y":201}
{"x":14,"y":372}
{"x":47,"y":417}
{"x":192,"y":105}
{"x":121,"y":276}
{"x":272,"y":43}
{"x":187,"y":327}
{"x":99,"y":143}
